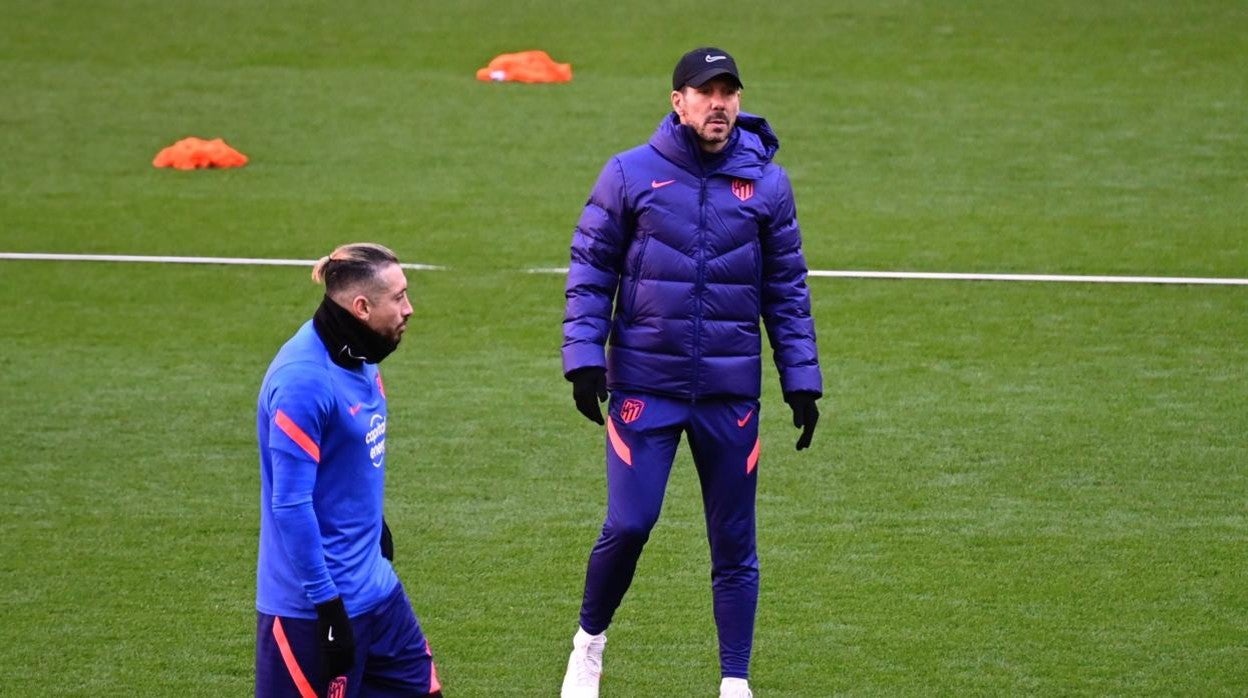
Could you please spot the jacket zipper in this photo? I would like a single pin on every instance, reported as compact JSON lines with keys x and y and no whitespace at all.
{"x":699,"y":290}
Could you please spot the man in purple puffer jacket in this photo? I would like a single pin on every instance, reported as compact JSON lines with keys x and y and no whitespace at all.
{"x":684,"y":244}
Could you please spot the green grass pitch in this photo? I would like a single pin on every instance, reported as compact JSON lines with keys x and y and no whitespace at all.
{"x":1016,"y":489}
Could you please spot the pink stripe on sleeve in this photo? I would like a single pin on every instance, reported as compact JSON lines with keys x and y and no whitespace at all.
{"x":289,"y":428}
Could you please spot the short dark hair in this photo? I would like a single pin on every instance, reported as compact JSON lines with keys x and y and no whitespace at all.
{"x":351,"y":264}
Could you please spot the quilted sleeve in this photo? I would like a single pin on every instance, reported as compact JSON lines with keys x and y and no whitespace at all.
{"x":598,"y":247}
{"x":786,"y":298}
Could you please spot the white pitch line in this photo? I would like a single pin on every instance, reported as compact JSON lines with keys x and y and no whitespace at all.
{"x":1174,"y":280}
{"x":547,"y":270}
{"x":1061,"y":278}
{"x":946,"y":276}
{"x":245,"y":261}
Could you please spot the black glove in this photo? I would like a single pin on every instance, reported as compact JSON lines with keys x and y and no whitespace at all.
{"x":589,"y":387}
{"x":805,"y":414}
{"x":337,"y":639}
{"x":387,"y":542}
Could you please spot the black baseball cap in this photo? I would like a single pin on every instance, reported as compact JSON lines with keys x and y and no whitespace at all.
{"x":701,"y":64}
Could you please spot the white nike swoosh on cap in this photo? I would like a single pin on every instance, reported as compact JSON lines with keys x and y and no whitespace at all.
{"x":712,"y":59}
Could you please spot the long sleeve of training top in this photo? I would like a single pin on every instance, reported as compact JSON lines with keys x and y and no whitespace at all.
{"x":298,"y":415}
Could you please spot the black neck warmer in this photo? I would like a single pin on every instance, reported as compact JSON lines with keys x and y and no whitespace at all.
{"x":349,"y":341}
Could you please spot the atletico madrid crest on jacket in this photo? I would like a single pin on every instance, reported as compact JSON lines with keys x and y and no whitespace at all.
{"x":630,"y":410}
{"x":742,"y":189}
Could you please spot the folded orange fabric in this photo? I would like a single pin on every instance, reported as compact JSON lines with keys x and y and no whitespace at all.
{"x":526,"y":66}
{"x":196,"y":153}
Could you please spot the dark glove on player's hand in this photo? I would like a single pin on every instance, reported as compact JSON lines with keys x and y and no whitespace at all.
{"x":387,"y":542}
{"x":337,"y":639}
{"x":589,"y":387}
{"x":805,"y":414}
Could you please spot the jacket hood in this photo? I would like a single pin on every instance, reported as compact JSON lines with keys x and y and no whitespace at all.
{"x":750,"y":148}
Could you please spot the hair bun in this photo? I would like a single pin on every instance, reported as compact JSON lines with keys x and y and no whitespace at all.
{"x":318,"y":269}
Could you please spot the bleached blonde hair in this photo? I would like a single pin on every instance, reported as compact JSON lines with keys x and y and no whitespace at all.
{"x":351,"y":264}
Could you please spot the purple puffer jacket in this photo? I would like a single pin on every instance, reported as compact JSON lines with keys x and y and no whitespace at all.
{"x":692,"y":251}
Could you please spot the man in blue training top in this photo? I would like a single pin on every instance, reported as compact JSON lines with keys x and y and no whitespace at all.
{"x":684,"y":244}
{"x":333,"y":619}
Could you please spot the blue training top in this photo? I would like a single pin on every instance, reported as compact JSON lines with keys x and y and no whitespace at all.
{"x":322,"y":434}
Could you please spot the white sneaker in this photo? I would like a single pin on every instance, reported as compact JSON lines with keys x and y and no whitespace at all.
{"x":735,"y":688}
{"x":584,"y":666}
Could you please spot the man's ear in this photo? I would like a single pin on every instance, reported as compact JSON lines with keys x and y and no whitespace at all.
{"x":678,"y":103}
{"x":360,"y":307}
